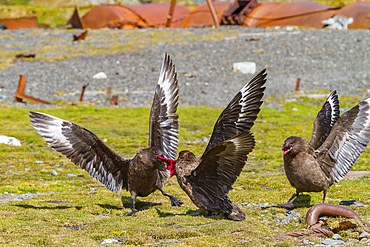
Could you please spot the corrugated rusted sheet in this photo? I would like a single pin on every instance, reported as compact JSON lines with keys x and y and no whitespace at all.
{"x":111,"y":16}
{"x":155,"y":14}
{"x":308,"y":14}
{"x":201,"y":15}
{"x":359,"y":11}
{"x":20,"y":23}
{"x":75,"y":20}
{"x":133,"y":16}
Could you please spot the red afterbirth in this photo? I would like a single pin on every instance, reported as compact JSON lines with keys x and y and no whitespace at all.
{"x":170,"y":164}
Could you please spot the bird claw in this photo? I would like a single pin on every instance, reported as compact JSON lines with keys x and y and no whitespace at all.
{"x":175,"y":202}
{"x":131,"y":213}
{"x":288,"y":205}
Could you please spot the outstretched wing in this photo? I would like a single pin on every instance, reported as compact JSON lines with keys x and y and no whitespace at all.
{"x":240,"y":114}
{"x":346,"y":141}
{"x":325,"y":120}
{"x":84,"y":149}
{"x":164,"y":121}
{"x":222,"y":165}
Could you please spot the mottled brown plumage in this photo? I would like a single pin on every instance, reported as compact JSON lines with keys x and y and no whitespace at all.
{"x":208,"y":180}
{"x":144,"y":173}
{"x":335,"y":145}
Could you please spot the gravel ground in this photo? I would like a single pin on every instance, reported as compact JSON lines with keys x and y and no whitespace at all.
{"x":323,"y":59}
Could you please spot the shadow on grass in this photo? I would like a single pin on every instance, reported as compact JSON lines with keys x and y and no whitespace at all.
{"x":46,"y":207}
{"x":162,"y":214}
{"x":302,"y":201}
{"x":194,"y":213}
{"x":127,"y":203}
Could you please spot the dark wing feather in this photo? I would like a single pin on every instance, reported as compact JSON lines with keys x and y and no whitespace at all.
{"x":221,"y":166}
{"x":325,"y":120}
{"x":84,"y":149}
{"x":164,"y":121}
{"x":239,"y":116}
{"x":346,"y":142}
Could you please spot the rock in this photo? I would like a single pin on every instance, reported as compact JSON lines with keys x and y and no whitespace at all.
{"x":71,"y":175}
{"x":53,"y":172}
{"x":351,"y":203}
{"x":365,"y":240}
{"x":109,"y":241}
{"x":364,"y":235}
{"x":338,"y":22}
{"x":10,"y":140}
{"x":332,"y":242}
{"x":204,"y":140}
{"x":245,"y":67}
{"x":336,"y":237}
{"x":100,"y":75}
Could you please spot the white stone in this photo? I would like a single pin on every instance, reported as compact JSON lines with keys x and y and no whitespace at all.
{"x":364,"y":235}
{"x":10,"y":140}
{"x":245,"y":67}
{"x":100,"y":75}
{"x":109,"y":241}
{"x":336,"y":237}
{"x":338,"y":22}
{"x":332,"y":242}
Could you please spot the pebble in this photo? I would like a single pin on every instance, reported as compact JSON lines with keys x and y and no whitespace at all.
{"x":315,"y":52}
{"x":54,"y":173}
{"x":364,"y":235}
{"x":332,"y":242}
{"x":109,"y":241}
{"x":351,"y":203}
{"x":100,"y":75}
{"x":336,"y":237}
{"x":71,"y":175}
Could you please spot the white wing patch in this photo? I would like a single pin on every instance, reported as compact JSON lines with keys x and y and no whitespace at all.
{"x":168,"y":83}
{"x":334,"y":108}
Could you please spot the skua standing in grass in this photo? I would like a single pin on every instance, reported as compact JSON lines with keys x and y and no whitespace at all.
{"x":208,"y":180}
{"x":335,"y":145}
{"x":144,"y":173}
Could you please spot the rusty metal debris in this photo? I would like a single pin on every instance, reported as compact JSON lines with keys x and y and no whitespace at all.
{"x":130,"y":16}
{"x":25,"y":55}
{"x":20,"y":96}
{"x":238,"y":12}
{"x":20,"y":23}
{"x":216,"y":22}
{"x":83,"y":91}
{"x":297,"y":84}
{"x":308,"y":14}
{"x":80,"y":36}
{"x":248,"y":13}
{"x":75,"y":20}
{"x":114,"y":100}
{"x":359,"y":11}
{"x":202,"y":16}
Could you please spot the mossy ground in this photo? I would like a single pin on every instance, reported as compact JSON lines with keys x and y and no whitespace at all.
{"x":82,"y":212}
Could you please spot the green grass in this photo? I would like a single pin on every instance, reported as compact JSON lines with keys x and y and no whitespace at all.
{"x":70,"y":215}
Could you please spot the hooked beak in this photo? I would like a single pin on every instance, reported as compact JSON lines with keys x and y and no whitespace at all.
{"x":170,"y":164}
{"x":286,"y":149}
